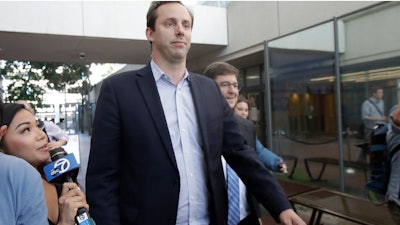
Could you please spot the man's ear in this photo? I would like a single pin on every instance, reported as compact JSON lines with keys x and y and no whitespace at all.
{"x":3,"y":130}
{"x":149,"y":34}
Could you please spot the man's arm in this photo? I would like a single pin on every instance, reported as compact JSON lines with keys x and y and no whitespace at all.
{"x":396,"y":116}
{"x":58,"y":137}
{"x":393,"y":135}
{"x":258,"y":180}
{"x":366,"y":107}
{"x":102,"y":177}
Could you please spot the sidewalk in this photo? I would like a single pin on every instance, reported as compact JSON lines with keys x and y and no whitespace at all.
{"x":84,"y":149}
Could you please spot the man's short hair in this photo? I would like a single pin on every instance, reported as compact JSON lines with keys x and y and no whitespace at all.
{"x":220,"y":68}
{"x":152,"y":13}
{"x":374,"y":89}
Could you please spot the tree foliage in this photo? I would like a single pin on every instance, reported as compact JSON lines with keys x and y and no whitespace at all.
{"x":26,"y":82}
{"x":61,"y":74}
{"x":29,"y":79}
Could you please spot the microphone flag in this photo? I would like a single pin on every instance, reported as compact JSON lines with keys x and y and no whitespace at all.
{"x":60,"y":167}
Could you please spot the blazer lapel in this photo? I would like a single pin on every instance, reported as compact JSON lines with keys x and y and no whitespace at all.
{"x":195,"y":88}
{"x":148,"y":88}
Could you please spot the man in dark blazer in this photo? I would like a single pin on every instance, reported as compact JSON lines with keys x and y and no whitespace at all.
{"x":225,"y":75}
{"x":158,"y":137}
{"x":247,"y":130}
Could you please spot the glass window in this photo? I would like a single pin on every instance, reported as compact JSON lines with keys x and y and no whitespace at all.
{"x":304,"y":119}
{"x":305,"y":97}
{"x":253,"y":76}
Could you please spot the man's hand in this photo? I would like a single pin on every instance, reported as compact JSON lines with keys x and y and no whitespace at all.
{"x":289,"y":217}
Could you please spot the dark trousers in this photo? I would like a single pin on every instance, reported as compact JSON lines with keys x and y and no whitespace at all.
{"x":251,"y":219}
{"x":364,"y":151}
{"x":394,"y":211}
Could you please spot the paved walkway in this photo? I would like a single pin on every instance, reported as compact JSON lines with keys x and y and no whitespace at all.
{"x":84,"y":149}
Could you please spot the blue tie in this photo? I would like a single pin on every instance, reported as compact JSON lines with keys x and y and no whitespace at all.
{"x":233,"y":196}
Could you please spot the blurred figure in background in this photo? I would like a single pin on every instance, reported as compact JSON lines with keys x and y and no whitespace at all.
{"x":372,"y":112}
{"x":393,"y":141}
{"x":270,"y":160}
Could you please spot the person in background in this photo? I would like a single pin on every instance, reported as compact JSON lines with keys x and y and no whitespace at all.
{"x":57,"y":136}
{"x":225,"y":75}
{"x":393,"y":143}
{"x":372,"y":112}
{"x":22,"y":199}
{"x":158,"y":136}
{"x":270,"y":160}
{"x":24,"y":139}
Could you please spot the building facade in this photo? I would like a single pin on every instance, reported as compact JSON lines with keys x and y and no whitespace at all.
{"x":306,"y":66}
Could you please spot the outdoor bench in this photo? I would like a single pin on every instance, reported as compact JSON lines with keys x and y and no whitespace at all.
{"x":345,"y":206}
{"x":331,"y":161}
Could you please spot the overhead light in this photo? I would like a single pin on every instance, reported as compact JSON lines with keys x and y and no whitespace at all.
{"x":253,"y":77}
{"x":372,"y":75}
{"x":328,"y":78}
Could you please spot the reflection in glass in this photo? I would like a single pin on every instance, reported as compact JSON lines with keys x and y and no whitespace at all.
{"x":303,"y":92}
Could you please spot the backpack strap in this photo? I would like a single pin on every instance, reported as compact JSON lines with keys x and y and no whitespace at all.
{"x":373,"y":103}
{"x":394,"y":150}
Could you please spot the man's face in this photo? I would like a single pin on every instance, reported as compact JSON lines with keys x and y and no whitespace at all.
{"x":229,"y":88}
{"x":173,"y":31}
{"x":378,"y":94}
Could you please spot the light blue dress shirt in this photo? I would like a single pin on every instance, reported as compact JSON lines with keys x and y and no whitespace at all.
{"x":180,"y":114}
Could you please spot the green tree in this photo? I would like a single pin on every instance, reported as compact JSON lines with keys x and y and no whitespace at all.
{"x":59,"y":75}
{"x":75,"y":78}
{"x":26,"y":82}
{"x":29,"y":79}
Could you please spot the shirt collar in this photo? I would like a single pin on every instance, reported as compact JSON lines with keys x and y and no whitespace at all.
{"x":158,"y":73}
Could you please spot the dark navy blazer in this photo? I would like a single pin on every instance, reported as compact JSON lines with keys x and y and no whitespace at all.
{"x":248,"y":131}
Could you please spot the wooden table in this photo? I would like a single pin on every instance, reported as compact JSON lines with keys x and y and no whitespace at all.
{"x":344,"y":206}
{"x":292,"y":188}
{"x":324,"y":161}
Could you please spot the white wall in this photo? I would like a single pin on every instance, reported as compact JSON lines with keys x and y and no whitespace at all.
{"x":251,"y":23}
{"x":372,"y":37}
{"x":109,"y":19}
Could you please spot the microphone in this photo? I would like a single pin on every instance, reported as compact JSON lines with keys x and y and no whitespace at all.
{"x":61,"y":169}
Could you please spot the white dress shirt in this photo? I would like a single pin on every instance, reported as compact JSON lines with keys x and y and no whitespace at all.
{"x":180,"y":114}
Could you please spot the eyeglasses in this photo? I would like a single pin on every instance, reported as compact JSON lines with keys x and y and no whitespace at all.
{"x":227,"y":84}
